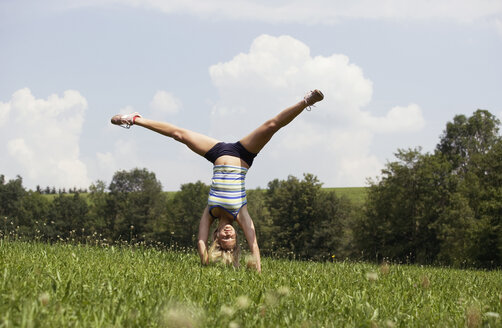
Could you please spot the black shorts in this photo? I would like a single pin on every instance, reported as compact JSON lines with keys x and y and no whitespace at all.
{"x":235,"y":149}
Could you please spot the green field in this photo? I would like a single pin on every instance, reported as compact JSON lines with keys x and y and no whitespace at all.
{"x":357,"y":195}
{"x":82,"y":286}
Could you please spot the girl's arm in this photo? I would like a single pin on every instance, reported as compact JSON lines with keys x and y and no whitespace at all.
{"x":205,"y":223}
{"x":247,"y":226}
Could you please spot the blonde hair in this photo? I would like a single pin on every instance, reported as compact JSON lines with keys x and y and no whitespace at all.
{"x":226,"y":256}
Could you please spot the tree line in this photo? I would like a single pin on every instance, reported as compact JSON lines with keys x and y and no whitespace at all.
{"x":443,"y":207}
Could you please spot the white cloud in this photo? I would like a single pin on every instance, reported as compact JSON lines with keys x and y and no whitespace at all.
{"x":334,"y":139}
{"x":127,"y":110}
{"x":4,"y":112}
{"x":41,"y":139}
{"x":321,"y":11}
{"x":398,"y":119}
{"x":164,"y":103}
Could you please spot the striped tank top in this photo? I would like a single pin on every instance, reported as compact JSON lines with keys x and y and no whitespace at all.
{"x":227,"y":189}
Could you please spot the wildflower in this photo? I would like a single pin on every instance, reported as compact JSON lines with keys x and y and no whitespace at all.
{"x":271,"y":299}
{"x":473,"y":317}
{"x":385,"y":268}
{"x":242,"y":302}
{"x":372,"y":276}
{"x":44,"y":299}
{"x":227,"y":310}
{"x":177,"y":316}
{"x":425,"y":282}
{"x":251,"y":262}
{"x":283,"y":291}
{"x":233,"y":324}
{"x":494,"y":315}
{"x":390,"y":323}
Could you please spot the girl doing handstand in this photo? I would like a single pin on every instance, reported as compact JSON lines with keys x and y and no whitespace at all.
{"x":227,"y":196}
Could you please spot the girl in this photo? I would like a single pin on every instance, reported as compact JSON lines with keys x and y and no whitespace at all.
{"x":227,"y":196}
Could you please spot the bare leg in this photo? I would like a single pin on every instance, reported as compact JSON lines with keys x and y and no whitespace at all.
{"x":257,"y":139}
{"x":197,"y":142}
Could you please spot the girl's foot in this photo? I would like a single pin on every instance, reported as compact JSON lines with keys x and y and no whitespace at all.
{"x":312,"y":97}
{"x":125,"y":121}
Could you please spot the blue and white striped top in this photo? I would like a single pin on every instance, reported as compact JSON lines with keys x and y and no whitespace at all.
{"x":228,"y":189}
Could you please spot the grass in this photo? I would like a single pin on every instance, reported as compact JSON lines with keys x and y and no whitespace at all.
{"x":357,"y":195}
{"x":64,"y":285}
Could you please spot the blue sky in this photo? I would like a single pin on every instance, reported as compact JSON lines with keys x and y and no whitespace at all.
{"x":393,"y":73}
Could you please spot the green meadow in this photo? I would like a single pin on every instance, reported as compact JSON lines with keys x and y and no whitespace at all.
{"x":64,"y":285}
{"x":357,"y":195}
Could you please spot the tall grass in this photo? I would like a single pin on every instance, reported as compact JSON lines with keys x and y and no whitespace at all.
{"x":65,"y":285}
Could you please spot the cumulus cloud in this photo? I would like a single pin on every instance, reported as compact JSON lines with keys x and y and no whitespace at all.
{"x":4,"y":112}
{"x":164,"y":103}
{"x":335,"y":138}
{"x":123,"y":156}
{"x":41,"y":138}
{"x":398,"y":119}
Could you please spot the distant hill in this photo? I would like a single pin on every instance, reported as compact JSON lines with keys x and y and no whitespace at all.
{"x":357,"y":195}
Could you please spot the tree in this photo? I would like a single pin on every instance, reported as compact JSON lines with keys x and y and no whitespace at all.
{"x":11,"y":194}
{"x":464,"y":138}
{"x":69,"y":214}
{"x":184,"y":213}
{"x":472,"y":146}
{"x":136,"y":199}
{"x":33,"y":214}
{"x":307,"y":222}
{"x":443,"y":206}
{"x":329,"y":234}
{"x":100,"y":212}
{"x":262,"y":220}
{"x":402,"y":209}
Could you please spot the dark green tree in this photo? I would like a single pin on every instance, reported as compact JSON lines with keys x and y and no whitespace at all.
{"x":442,"y":207}
{"x":33,"y":214}
{"x":262,"y":220}
{"x":307,"y":221}
{"x":101,"y":214}
{"x":468,"y":137}
{"x":472,"y":146}
{"x":136,"y":201}
{"x":184,"y":213}
{"x":69,"y":214}
{"x":403,"y":207}
{"x":329,"y":234}
{"x":11,"y":194}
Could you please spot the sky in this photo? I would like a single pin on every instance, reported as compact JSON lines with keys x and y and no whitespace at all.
{"x":393,"y":74}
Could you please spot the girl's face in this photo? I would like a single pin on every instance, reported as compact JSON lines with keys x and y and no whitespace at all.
{"x":226,"y":236}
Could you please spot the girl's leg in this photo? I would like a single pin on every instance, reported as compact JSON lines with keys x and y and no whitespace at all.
{"x":197,"y":142}
{"x":257,"y":139}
